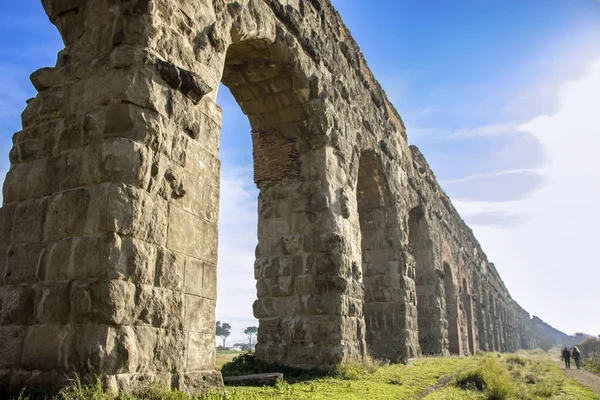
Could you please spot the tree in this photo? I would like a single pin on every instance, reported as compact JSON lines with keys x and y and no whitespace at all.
{"x":223,"y":331}
{"x":251,"y":331}
{"x":242,"y":346}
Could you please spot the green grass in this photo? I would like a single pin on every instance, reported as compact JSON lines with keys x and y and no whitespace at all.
{"x":527,"y":375}
{"x":225,"y":356}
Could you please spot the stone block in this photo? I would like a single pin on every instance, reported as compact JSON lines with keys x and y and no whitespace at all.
{"x":170,"y":267}
{"x":118,"y":119}
{"x":11,"y":345}
{"x":273,"y":227}
{"x":209,"y":283}
{"x":59,"y":262}
{"x":267,"y":267}
{"x":107,"y":302}
{"x":259,"y":380}
{"x":125,"y":161}
{"x":270,"y":307}
{"x":52,"y":299}
{"x":140,"y":347}
{"x":209,"y":134}
{"x":201,"y":353}
{"x":73,"y":169}
{"x":67,"y":214}
{"x":194,"y":276}
{"x":198,"y":382}
{"x":87,"y":347}
{"x":134,"y":212}
{"x":7,"y":218}
{"x":324,"y":355}
{"x":169,"y":353}
{"x":132,"y":259}
{"x":270,"y":331}
{"x":70,"y":134}
{"x":314,"y":329}
{"x":159,"y":307}
{"x":43,"y":346}
{"x":25,"y":181}
{"x":274,"y":353}
{"x":191,"y":235}
{"x":29,"y":221}
{"x":25,"y":263}
{"x":199,"y":314}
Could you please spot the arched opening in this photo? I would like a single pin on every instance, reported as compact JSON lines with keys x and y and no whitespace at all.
{"x":426,"y":282}
{"x":451,"y":299}
{"x":297,"y":266}
{"x":468,"y":306}
{"x":381,"y":268}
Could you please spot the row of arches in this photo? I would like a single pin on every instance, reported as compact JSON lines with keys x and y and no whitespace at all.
{"x":444,"y":311}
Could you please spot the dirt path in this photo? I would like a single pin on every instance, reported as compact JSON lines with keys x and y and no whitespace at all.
{"x":586,"y":378}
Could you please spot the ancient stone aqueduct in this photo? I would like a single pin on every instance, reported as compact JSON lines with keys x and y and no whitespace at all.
{"x":109,"y":224}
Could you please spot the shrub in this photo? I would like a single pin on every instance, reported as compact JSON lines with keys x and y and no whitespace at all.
{"x":545,"y":389}
{"x":472,"y":380}
{"x":489,"y":378}
{"x":354,"y":370}
{"x":531,"y":378}
{"x":515,"y":359}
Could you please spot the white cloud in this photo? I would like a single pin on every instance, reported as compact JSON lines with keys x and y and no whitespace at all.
{"x":486,"y":130}
{"x":548,"y":260}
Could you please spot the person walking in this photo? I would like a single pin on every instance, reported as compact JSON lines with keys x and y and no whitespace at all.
{"x":566,"y":355}
{"x":576,"y":356}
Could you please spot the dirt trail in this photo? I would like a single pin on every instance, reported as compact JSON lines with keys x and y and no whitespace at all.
{"x":586,"y":378}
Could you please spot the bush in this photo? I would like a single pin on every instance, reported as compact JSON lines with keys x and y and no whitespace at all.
{"x":489,"y":378}
{"x":472,"y":380}
{"x":354,"y":370}
{"x":545,"y":389}
{"x":515,"y":359}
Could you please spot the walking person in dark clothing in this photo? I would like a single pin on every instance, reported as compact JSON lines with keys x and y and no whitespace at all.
{"x":576,"y":356}
{"x":566,"y":355}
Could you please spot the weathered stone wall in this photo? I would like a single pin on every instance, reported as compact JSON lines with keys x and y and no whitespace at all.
{"x":108,"y":231}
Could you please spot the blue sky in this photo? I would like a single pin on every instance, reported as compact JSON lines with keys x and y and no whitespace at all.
{"x":496,"y":93}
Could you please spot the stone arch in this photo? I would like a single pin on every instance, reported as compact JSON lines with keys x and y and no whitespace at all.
{"x":304,"y":270}
{"x":429,"y":318}
{"x":384,"y":295}
{"x":451,"y":302}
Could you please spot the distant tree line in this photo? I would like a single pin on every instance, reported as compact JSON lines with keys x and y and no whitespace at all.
{"x":590,"y":351}
{"x":223,"y":330}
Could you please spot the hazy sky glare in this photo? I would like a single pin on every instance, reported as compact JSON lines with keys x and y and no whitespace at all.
{"x":500,"y":96}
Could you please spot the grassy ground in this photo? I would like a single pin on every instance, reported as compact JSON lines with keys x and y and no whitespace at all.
{"x":225,"y":356}
{"x":527,"y":375}
{"x":592,"y":367}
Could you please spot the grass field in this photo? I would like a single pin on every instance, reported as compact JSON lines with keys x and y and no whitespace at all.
{"x":225,"y":356}
{"x":526,"y":375}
